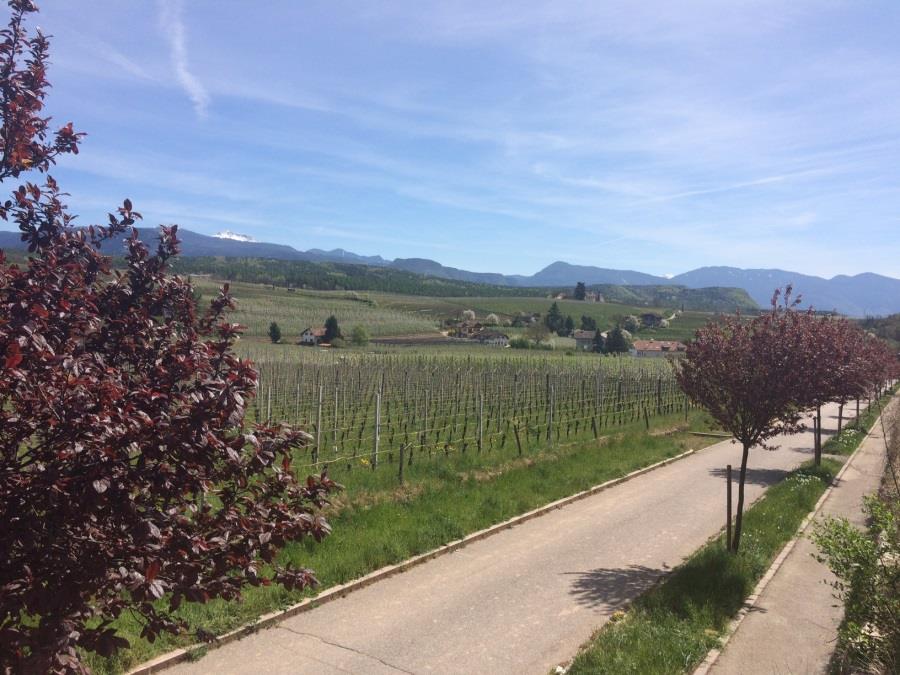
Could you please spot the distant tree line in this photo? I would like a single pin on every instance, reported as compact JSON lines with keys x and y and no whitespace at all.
{"x":341,"y":277}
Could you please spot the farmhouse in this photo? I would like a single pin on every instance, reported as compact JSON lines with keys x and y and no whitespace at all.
{"x":493,"y":338}
{"x":657,"y":348}
{"x":467,"y":329}
{"x":312,"y":336}
{"x":584,"y":339}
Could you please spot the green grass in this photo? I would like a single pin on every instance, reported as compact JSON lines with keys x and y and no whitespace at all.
{"x":259,"y":305}
{"x":671,"y":628}
{"x":851,"y":435}
{"x":451,"y":499}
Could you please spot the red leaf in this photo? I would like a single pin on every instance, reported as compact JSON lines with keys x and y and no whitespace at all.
{"x":13,"y":356}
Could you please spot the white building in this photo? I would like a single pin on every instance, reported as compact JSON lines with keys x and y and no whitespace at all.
{"x":312,"y":336}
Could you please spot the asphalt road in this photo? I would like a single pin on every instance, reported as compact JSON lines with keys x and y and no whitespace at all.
{"x":523,"y":600}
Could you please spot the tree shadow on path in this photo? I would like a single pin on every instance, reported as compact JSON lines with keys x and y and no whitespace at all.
{"x":764,"y":477}
{"x":613,"y":587}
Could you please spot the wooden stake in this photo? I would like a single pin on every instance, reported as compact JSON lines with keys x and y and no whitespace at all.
{"x":728,"y":522}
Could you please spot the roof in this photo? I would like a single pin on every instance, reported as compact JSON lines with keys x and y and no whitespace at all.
{"x":659,"y":346}
{"x":584,"y":334}
{"x":316,"y":332}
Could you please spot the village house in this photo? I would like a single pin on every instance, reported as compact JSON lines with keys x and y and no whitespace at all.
{"x":594,"y":296}
{"x":312,"y":336}
{"x":493,"y":338}
{"x":584,"y":339}
{"x":467,"y":329}
{"x":657,"y":348}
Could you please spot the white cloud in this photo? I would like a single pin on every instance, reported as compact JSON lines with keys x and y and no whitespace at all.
{"x":172,"y":26}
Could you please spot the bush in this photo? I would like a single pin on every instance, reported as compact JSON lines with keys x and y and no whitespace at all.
{"x":631,"y":323}
{"x":359,"y":336}
{"x":520,"y":343}
{"x":274,"y":333}
{"x":130,"y":481}
{"x":867,"y":565}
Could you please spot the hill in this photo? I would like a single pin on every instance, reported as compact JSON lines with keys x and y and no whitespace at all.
{"x":859,"y":295}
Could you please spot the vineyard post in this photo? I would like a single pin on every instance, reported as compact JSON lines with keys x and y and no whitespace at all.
{"x":728,"y":509}
{"x":425,"y":419}
{"x":550,"y":411}
{"x":480,"y":420}
{"x":817,"y":444}
{"x":377,"y":429}
{"x":334,"y":436}
{"x":400,"y":468}
{"x":319,"y":426}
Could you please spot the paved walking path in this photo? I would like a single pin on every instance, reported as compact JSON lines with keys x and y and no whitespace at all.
{"x":525,"y":599}
{"x":793,"y":627}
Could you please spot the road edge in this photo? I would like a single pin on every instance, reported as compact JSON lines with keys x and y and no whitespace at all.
{"x":180,"y":655}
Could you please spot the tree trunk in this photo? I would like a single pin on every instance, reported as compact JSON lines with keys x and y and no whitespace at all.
{"x":817,"y":442}
{"x":840,"y":417}
{"x":739,"y":515}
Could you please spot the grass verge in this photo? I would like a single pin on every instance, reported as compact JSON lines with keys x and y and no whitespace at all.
{"x":671,"y":628}
{"x":851,"y":435}
{"x":371,"y":533}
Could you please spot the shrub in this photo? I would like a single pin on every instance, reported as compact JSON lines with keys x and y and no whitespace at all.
{"x":332,"y":330}
{"x":359,"y":336}
{"x":520,"y":343}
{"x":129,"y":480}
{"x":631,"y":323}
{"x":867,"y":566}
{"x":274,"y":333}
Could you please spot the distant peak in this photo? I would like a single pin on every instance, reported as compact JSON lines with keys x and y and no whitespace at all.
{"x":228,"y":234}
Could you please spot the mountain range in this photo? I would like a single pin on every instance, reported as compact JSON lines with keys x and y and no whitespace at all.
{"x":859,"y":295}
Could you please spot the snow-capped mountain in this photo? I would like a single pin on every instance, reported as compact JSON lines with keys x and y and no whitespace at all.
{"x":228,"y":234}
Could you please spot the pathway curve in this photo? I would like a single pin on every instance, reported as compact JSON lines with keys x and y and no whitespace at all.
{"x":525,"y":599}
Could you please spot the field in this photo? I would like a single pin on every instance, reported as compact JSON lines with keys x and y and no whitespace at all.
{"x":367,"y":410}
{"x":259,"y":305}
{"x":391,"y":314}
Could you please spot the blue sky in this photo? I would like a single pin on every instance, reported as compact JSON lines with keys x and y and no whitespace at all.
{"x":497,"y":136}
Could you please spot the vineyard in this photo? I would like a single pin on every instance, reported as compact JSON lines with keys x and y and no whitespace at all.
{"x":259,"y":305}
{"x":369,"y":411}
{"x":388,"y":314}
